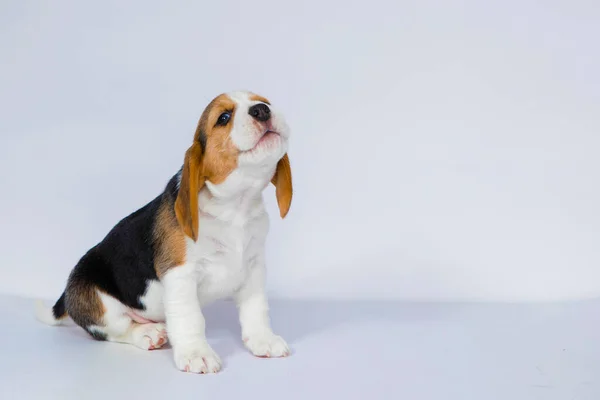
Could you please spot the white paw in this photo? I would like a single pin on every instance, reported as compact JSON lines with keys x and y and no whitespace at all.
{"x":199,"y":359}
{"x":267,"y":345}
{"x":150,"y":336}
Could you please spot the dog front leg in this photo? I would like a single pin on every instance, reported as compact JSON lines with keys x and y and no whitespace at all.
{"x":185,"y":322}
{"x":253,"y":309}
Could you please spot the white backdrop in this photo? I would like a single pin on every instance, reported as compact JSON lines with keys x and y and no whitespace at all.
{"x":440,"y":151}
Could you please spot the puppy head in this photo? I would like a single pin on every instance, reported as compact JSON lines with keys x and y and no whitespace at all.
{"x":239,"y":130}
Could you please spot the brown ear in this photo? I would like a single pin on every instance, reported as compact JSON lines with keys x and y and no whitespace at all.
{"x":283,"y":185}
{"x":186,"y":204}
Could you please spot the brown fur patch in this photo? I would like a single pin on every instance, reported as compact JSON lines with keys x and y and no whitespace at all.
{"x":256,"y":97}
{"x":186,"y":204}
{"x":169,"y":240}
{"x":83,"y":302}
{"x":220,"y":155}
{"x":283,"y":185}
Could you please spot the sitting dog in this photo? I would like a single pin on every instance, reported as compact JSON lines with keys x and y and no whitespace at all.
{"x":201,"y":239}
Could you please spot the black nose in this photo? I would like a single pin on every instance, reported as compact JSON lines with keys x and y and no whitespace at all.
{"x":260,"y":112}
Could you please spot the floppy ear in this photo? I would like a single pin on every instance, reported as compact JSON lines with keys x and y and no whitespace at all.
{"x":283,"y":185}
{"x":186,"y":204}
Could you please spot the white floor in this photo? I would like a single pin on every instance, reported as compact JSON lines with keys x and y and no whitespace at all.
{"x":341,"y":350}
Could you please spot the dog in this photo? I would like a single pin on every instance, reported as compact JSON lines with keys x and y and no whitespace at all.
{"x":200,"y":240}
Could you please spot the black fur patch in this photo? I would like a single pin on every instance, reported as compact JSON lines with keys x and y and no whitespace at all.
{"x":202,"y":139}
{"x":96,"y":335}
{"x":59,"y":310}
{"x":123,"y":262}
{"x":172,"y":189}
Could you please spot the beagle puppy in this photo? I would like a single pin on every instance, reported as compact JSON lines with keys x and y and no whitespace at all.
{"x":201,"y":239}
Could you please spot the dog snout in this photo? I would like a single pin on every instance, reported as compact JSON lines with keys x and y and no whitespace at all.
{"x":260,"y":112}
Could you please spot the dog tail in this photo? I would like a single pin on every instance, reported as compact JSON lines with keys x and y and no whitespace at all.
{"x":54,"y":315}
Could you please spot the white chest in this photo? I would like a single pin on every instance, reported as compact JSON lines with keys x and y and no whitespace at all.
{"x":226,"y":252}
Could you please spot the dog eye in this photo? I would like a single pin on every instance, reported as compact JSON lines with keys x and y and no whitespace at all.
{"x":224,"y":118}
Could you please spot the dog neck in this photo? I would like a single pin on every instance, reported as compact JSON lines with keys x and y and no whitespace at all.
{"x":238,"y":198}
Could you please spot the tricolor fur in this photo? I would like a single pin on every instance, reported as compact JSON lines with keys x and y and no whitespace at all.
{"x":201,"y":239}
